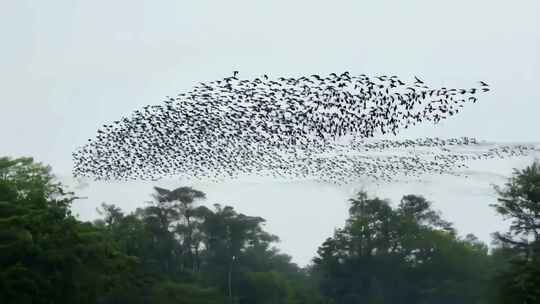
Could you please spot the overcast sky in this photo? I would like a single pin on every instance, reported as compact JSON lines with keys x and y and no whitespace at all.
{"x":68,"y":67}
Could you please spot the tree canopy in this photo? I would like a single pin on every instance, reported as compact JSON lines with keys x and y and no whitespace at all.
{"x":180,"y":249}
{"x":519,"y":202}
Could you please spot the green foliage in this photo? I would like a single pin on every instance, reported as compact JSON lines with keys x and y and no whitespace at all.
{"x":175,"y":250}
{"x":519,"y":201}
{"x":168,"y":292}
{"x":46,"y":255}
{"x":519,"y":284}
{"x":185,"y":245}
{"x":403,"y":255}
{"x":22,"y":178}
{"x":266,"y":288}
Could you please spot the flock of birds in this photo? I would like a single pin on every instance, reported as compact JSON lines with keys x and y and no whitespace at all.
{"x":309,"y":127}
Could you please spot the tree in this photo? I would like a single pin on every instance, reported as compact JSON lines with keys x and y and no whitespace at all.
{"x":266,"y":288}
{"x":227,"y":235}
{"x":519,"y":201}
{"x":169,"y":292}
{"x":46,"y":255}
{"x":519,"y":284}
{"x":178,"y":204}
{"x":231,"y":251}
{"x":404,"y":255}
{"x":23,"y":178}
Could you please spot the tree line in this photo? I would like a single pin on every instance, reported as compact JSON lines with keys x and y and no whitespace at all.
{"x":177,"y":250}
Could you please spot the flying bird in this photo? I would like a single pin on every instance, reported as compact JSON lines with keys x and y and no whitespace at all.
{"x":289,"y":127}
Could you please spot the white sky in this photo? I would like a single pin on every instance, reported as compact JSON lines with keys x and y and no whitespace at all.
{"x":68,"y":67}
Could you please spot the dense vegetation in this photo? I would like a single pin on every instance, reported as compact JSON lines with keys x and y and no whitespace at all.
{"x":176,"y":250}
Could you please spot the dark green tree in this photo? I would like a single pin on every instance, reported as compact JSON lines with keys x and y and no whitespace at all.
{"x":519,"y":202}
{"x":46,"y":255}
{"x":404,"y":255}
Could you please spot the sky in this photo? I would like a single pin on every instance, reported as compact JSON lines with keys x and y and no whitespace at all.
{"x":68,"y":67}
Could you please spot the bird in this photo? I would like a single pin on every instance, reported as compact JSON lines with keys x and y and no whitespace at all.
{"x":289,"y":127}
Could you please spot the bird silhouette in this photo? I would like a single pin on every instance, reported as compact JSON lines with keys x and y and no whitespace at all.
{"x":317,"y":127}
